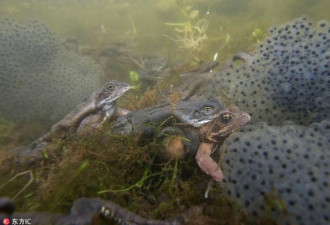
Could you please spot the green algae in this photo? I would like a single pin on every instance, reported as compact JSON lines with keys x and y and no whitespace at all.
{"x":121,"y":169}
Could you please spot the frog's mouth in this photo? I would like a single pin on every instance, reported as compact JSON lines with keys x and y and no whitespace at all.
{"x":217,"y":137}
{"x":198,"y":122}
{"x":122,"y":89}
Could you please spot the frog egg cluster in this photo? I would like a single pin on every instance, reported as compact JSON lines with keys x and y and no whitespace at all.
{"x":282,"y":170}
{"x":286,"y":78}
{"x":40,"y":80}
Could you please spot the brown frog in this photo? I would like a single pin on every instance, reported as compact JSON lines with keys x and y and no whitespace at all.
{"x":213,"y":133}
{"x":99,"y":107}
{"x":93,"y":111}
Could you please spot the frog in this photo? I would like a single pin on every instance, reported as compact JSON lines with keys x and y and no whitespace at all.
{"x":88,"y":211}
{"x":194,"y":113}
{"x":191,"y":83}
{"x":205,"y":68}
{"x":205,"y":140}
{"x":101,"y":104}
{"x":153,"y":67}
{"x":93,"y":112}
{"x":213,"y":134}
{"x":198,"y":113}
{"x":205,"y":131}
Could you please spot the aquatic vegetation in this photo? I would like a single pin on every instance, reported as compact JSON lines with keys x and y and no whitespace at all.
{"x":191,"y":34}
{"x":134,"y":174}
{"x":258,"y":35}
{"x":134,"y":78}
{"x":15,"y":134}
{"x":139,"y":99}
{"x":159,"y":187}
{"x":29,"y":172}
{"x":113,"y":167}
{"x":279,"y":170}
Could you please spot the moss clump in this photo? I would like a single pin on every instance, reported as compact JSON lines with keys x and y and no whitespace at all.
{"x":119,"y":169}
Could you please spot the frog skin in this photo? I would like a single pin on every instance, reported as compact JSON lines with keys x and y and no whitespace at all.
{"x":192,"y":82}
{"x":101,"y":106}
{"x":197,"y":113}
{"x":194,"y":113}
{"x":208,"y":67}
{"x":152,"y":68}
{"x":101,"y":103}
{"x":213,"y":133}
{"x":85,"y":211}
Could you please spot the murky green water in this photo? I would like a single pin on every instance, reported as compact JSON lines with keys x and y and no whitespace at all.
{"x":142,"y":22}
{"x":119,"y":37}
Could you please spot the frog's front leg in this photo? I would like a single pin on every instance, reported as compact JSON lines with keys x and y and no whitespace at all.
{"x":206,"y":163}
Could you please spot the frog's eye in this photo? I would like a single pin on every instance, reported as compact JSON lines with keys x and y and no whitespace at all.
{"x":226,"y":118}
{"x":208,"y":109}
{"x":109,"y":87}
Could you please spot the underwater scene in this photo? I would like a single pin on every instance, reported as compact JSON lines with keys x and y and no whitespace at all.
{"x":165,"y":112}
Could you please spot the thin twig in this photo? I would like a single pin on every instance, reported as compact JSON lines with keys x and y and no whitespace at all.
{"x":17,"y":175}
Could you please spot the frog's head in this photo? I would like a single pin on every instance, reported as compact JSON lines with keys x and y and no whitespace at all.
{"x":197,"y":113}
{"x":227,"y":122}
{"x":110,"y":92}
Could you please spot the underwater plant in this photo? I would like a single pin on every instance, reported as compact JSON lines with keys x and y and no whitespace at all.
{"x":191,"y":34}
{"x":134,"y":78}
{"x":258,"y":35}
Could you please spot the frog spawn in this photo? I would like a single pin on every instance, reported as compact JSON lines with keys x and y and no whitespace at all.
{"x":286,"y":77}
{"x":40,"y":79}
{"x":284,"y":169}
